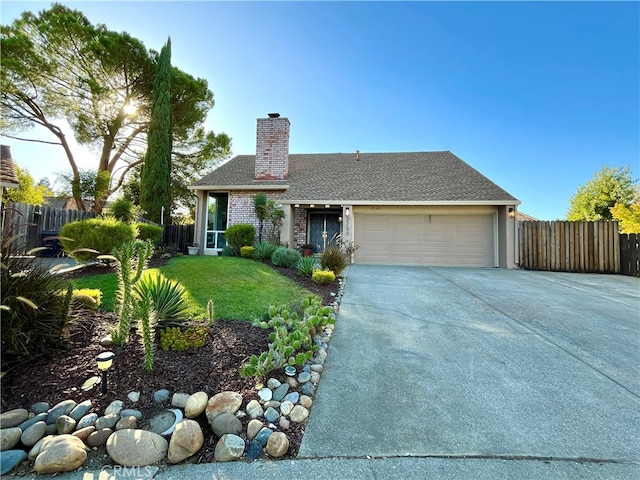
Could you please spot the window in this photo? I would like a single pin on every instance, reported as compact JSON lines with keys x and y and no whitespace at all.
{"x":216,"y":220}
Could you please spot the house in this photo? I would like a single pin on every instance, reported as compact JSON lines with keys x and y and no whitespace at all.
{"x":8,"y":174}
{"x":415,"y":208}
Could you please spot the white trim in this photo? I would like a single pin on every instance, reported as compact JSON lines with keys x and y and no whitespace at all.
{"x":237,"y":187}
{"x":402,"y":203}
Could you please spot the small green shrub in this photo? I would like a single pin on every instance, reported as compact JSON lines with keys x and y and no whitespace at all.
{"x":286,"y":257}
{"x":240,"y":235}
{"x":333,"y":259}
{"x":99,"y":234}
{"x":263,"y":250}
{"x":228,"y":251}
{"x":246,"y":252}
{"x":88,"y":297}
{"x":168,"y":298}
{"x":174,"y":338}
{"x":146,"y":231}
{"x":323,"y":276}
{"x":122,"y":210}
{"x":307,"y":266}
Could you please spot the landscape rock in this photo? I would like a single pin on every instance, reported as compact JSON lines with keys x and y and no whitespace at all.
{"x":127,"y":422}
{"x":308,"y":389}
{"x":10,"y":459}
{"x":280,"y":392}
{"x":61,"y":453}
{"x":284,"y":423}
{"x":196,"y":404}
{"x":107,"y":421}
{"x":179,"y":400}
{"x":114,"y":407}
{"x":317,"y":368}
{"x":226,"y":423}
{"x":84,"y":433}
{"x":277,"y":445}
{"x":40,"y":417}
{"x":292,"y":397}
{"x":80,"y":410}
{"x":229,"y":448}
{"x":87,"y":421}
{"x":40,"y":407}
{"x":106,"y":341}
{"x":286,"y":407}
{"x":51,"y":429}
{"x":222,"y":402}
{"x":65,"y":424}
{"x":271,"y":414}
{"x":99,"y":437}
{"x":298,"y":414}
{"x":306,"y":401}
{"x":292,"y":382}
{"x":13,"y":418}
{"x":33,"y":434}
{"x":254,"y":409}
{"x":272,"y":404}
{"x":265,"y":394}
{"x":273,"y":383}
{"x":62,"y":408}
{"x":263,"y":435}
{"x":254,"y":450}
{"x":131,"y":412}
{"x":161,"y":396}
{"x":9,"y":438}
{"x":304,"y":377}
{"x":253,"y":428}
{"x":315,"y":377}
{"x":133,"y":396}
{"x":187,"y":440}
{"x":136,"y":448}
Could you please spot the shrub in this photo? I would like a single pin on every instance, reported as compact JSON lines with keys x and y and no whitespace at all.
{"x":333,"y":259}
{"x":168,"y":297}
{"x":286,"y":257}
{"x":323,"y":276}
{"x":146,"y":231}
{"x":307,"y":266}
{"x":88,"y":297}
{"x":122,"y":210}
{"x":227,"y":251}
{"x":246,"y":252}
{"x":263,"y":250}
{"x":99,"y":234}
{"x":35,"y":308}
{"x":240,"y":235}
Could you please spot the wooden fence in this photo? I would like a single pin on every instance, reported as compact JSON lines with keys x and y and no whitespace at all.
{"x":36,"y":223}
{"x":630,"y":254}
{"x":177,"y":237}
{"x":570,"y":246}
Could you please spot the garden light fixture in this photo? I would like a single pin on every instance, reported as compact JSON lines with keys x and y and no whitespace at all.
{"x":512,"y":212}
{"x":105,"y":359}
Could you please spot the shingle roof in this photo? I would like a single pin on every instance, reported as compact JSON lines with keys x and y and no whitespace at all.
{"x":8,"y":175}
{"x":377,"y":177}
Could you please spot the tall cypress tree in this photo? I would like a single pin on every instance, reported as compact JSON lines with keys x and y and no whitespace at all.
{"x":155,"y":177}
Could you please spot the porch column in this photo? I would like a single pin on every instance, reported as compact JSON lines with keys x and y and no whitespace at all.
{"x":287,"y":236}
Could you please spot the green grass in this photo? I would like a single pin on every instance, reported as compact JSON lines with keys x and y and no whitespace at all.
{"x":242,"y":289}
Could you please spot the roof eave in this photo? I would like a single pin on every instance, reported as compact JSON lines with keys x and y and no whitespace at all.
{"x":238,"y":187}
{"x":399,"y":202}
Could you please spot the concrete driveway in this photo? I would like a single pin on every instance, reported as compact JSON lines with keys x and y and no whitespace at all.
{"x":534,"y":370}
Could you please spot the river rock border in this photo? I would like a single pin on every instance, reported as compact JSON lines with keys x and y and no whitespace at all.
{"x":57,"y":439}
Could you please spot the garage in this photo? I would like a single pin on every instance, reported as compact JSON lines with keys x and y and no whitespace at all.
{"x":439,"y":239}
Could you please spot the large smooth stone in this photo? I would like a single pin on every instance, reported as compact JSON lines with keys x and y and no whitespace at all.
{"x":136,"y":448}
{"x":222,"y":402}
{"x":9,"y":438}
{"x":80,"y":410}
{"x":33,"y":434}
{"x":299,"y":414}
{"x":179,"y":400}
{"x":40,"y":417}
{"x":196,"y":404}
{"x":229,"y":448}
{"x":83,"y":433}
{"x":187,"y":440}
{"x":61,"y":453}
{"x":108,"y":421}
{"x":65,"y":424}
{"x":277,"y":445}
{"x":62,"y":408}
{"x":99,"y":437}
{"x":88,"y":420}
{"x":10,"y":459}
{"x":253,"y":428}
{"x":254,"y":409}
{"x":13,"y":418}
{"x":114,"y":407}
{"x":226,"y":423}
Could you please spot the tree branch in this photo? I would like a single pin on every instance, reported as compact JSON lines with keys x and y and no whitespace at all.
{"x":29,"y":139}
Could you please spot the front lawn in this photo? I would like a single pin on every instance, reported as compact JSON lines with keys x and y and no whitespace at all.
{"x":241,"y":289}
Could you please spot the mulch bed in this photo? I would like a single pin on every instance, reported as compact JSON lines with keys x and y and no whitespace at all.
{"x":212,"y":369}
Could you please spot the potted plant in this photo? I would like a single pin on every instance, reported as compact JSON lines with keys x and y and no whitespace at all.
{"x":307,"y":250}
{"x":193,"y":249}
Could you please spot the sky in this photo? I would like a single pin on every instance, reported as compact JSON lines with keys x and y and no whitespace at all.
{"x":537,"y":96}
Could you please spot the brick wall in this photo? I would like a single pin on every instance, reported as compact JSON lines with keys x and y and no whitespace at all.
{"x":241,"y":208}
{"x":272,"y":148}
{"x":300,"y":227}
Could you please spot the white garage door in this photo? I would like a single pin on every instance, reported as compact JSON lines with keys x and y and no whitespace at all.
{"x":444,"y":240}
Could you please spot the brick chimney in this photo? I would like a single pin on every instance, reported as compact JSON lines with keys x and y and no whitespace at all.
{"x":272,"y":148}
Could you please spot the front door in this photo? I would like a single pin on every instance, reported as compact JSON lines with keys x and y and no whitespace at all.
{"x":324,"y":229}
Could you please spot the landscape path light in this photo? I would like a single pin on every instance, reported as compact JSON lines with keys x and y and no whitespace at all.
{"x":105,"y":360}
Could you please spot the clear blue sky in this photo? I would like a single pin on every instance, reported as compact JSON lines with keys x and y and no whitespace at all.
{"x":536,"y":96}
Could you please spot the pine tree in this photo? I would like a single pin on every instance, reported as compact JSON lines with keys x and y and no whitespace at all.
{"x":155,"y":177}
